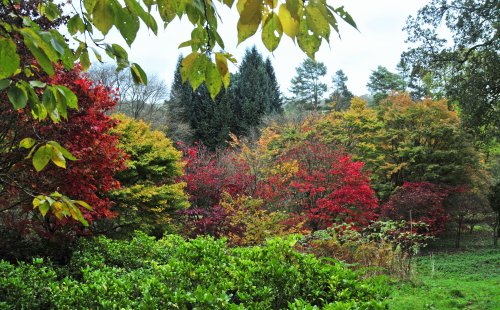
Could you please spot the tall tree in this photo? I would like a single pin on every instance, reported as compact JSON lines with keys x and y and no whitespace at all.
{"x":341,"y":96}
{"x":306,"y":85}
{"x":382,"y":82}
{"x":208,"y":121}
{"x":276,"y":100}
{"x":252,"y":90}
{"x":466,"y":64}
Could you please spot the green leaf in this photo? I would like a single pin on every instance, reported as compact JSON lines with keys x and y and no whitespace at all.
{"x":89,"y":5}
{"x":213,"y":79}
{"x":9,"y":60}
{"x":138,"y":75}
{"x":44,"y":207}
{"x":84,"y":204}
{"x":316,"y":21}
{"x":197,"y":73}
{"x":127,"y":24}
{"x":64,"y":151}
{"x":4,"y":84}
{"x":27,"y":143}
{"x":136,"y":9}
{"x":84,"y":59}
{"x":272,"y":32}
{"x":59,"y":44}
{"x":308,"y":43}
{"x":18,"y":97}
{"x":49,"y":99}
{"x":42,"y":157}
{"x":58,"y":158}
{"x":52,"y":11}
{"x":75,"y":24}
{"x":221,"y":63}
{"x":71,"y":99}
{"x":103,"y":15}
{"x":346,"y":16}
{"x":38,"y":84}
{"x":187,"y":64}
{"x":250,"y":19}
{"x":40,"y":55}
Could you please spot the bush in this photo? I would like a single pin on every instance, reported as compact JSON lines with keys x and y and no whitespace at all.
{"x":174,"y":273}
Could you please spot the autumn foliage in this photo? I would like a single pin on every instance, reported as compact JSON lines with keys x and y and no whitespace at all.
{"x":419,"y":201}
{"x":86,"y":136}
{"x":319,"y":186}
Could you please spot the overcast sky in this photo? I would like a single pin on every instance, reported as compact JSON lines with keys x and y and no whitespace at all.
{"x":380,"y":41}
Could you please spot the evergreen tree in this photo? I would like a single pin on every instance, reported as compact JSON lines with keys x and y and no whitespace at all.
{"x":382,"y":82}
{"x":252,"y":92}
{"x":207,"y":121}
{"x":276,"y":101}
{"x":306,"y":85}
{"x":341,"y":96}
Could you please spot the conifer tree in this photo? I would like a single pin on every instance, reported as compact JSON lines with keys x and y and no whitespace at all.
{"x":276,"y":100}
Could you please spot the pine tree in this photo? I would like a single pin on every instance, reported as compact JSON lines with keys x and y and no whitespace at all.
{"x":276,"y":101}
{"x":252,"y":92}
{"x":306,"y":85}
{"x":341,"y":96}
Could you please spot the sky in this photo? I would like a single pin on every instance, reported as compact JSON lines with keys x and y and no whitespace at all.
{"x":379,"y":41}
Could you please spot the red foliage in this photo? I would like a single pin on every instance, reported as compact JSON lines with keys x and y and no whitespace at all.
{"x":327,"y":188}
{"x":86,"y":136}
{"x":207,"y":176}
{"x":419,"y":201}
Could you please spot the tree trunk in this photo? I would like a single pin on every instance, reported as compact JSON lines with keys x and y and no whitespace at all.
{"x":459,"y":232}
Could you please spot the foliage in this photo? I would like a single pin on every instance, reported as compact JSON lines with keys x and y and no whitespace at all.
{"x":465,"y":63}
{"x":249,"y":222}
{"x":382,"y":82}
{"x":149,"y":193}
{"x":208,"y":175}
{"x":87,"y":179}
{"x":341,"y":96}
{"x":418,"y":201}
{"x":381,"y":247}
{"x":173,"y":273}
{"x":306,"y":87}
{"x":320,"y":186}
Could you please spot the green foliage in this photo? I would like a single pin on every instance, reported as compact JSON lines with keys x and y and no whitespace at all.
{"x":150,"y":193}
{"x":174,"y":273}
{"x":382,"y":82}
{"x":306,"y":85}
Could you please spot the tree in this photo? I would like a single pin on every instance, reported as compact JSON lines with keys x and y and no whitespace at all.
{"x":136,"y":100}
{"x":466,"y":64}
{"x":31,"y":47}
{"x":382,"y":82}
{"x":341,"y":96}
{"x":87,"y":179}
{"x":149,"y":195}
{"x":306,"y":85}
{"x":209,"y":121}
{"x":418,"y":201}
{"x":318,"y":186}
{"x":276,"y":100}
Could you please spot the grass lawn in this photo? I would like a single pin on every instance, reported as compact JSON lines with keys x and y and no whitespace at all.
{"x":466,"y":279}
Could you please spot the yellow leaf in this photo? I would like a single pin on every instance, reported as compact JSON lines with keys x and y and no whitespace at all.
{"x":290,"y":25}
{"x":250,"y":18}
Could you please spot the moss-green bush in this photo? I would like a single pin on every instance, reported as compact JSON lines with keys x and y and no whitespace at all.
{"x":172,"y":273}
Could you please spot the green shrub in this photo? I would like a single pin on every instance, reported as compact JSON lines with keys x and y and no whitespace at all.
{"x":173,"y":273}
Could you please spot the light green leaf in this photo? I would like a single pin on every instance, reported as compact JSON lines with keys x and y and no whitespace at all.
{"x":308,"y":43}
{"x":187,"y":64}
{"x":103,"y":15}
{"x":250,"y":19}
{"x":27,"y":143}
{"x":138,"y":74}
{"x":40,"y":56}
{"x":9,"y":60}
{"x":84,"y":59}
{"x":18,"y":97}
{"x":75,"y":24}
{"x":213,"y":79}
{"x":221,"y":63}
{"x":197,"y":73}
{"x":42,"y":157}
{"x":52,"y":11}
{"x":127,"y":24}
{"x":272,"y":32}
{"x":71,"y":99}
{"x":84,"y":204}
{"x":38,"y":84}
{"x":58,"y":158}
{"x":316,"y":21}
{"x":61,"y":149}
{"x":44,"y":207}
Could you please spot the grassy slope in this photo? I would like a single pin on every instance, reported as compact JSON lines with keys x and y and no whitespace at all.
{"x":468,"y":279}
